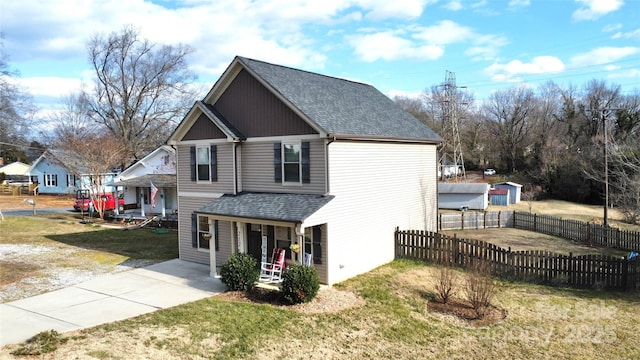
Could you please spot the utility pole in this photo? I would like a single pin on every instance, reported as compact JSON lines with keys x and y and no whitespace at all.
{"x":603,"y":113}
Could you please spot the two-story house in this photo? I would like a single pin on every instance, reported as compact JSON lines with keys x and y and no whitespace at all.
{"x":274,"y":156}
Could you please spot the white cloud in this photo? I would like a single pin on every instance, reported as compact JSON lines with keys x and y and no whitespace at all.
{"x":453,"y":5}
{"x":399,"y":9}
{"x":515,"y":68}
{"x":603,"y":55}
{"x":486,"y":47}
{"x":612,"y":27}
{"x":633,"y":35}
{"x":443,"y":32}
{"x":50,"y":86}
{"x":519,"y":3}
{"x":367,"y":47}
{"x":594,"y":9}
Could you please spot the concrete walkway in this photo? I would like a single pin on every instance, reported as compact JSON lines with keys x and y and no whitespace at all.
{"x":107,"y":298}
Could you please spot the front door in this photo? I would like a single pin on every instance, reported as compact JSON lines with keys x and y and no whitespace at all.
{"x":254,"y":241}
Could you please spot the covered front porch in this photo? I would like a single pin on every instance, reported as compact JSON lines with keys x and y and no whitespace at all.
{"x":149,"y":195}
{"x":256,"y":224}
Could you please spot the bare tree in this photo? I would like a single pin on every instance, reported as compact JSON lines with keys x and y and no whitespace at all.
{"x":72,"y":124}
{"x":141,"y":89}
{"x":16,"y":106}
{"x":508,"y":115}
{"x":92,"y":159}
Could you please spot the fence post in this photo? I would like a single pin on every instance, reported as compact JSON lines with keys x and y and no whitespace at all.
{"x":462,"y":220}
{"x":499,"y":217}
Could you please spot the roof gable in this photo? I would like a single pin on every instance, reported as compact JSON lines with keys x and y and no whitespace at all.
{"x":160,"y":161}
{"x":340,"y":107}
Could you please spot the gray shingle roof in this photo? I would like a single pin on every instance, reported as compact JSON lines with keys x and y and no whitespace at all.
{"x":267,"y":206}
{"x":159,"y":180}
{"x":342,"y":107}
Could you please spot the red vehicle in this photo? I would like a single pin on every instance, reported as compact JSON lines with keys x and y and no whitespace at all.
{"x":83,"y":202}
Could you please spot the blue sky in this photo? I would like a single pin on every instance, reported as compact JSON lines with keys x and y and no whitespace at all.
{"x":400,"y":46}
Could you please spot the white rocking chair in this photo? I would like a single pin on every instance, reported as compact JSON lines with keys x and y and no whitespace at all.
{"x":272,"y":271}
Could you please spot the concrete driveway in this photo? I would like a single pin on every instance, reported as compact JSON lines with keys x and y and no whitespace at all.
{"x":107,"y":298}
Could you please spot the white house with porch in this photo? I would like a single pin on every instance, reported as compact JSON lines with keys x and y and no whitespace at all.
{"x":149,"y":185}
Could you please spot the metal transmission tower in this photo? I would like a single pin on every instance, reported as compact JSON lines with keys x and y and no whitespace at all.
{"x":451,"y":159}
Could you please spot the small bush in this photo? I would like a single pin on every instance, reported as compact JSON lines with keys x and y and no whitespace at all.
{"x":41,"y":343}
{"x":299,"y":284}
{"x":240,"y":272}
{"x":446,"y":284}
{"x":480,"y":288}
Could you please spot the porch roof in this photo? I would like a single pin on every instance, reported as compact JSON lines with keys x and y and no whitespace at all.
{"x":267,"y":206}
{"x":159,"y":180}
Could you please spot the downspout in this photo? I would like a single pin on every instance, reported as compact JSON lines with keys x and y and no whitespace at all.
{"x":326,"y":163}
{"x":236,"y":142}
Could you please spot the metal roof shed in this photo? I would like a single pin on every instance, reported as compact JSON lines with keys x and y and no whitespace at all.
{"x":514,"y":190}
{"x":460,"y":195}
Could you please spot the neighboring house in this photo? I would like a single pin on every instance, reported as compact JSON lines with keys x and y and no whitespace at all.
{"x":274,"y":155}
{"x":157,"y":168}
{"x":15,"y":172}
{"x":499,"y":197}
{"x":472,"y":196}
{"x":54,"y":172}
{"x":515,"y":190}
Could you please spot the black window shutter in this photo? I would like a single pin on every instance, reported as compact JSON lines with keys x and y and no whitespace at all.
{"x":194,"y":230}
{"x":192,"y":153}
{"x":317,"y":244}
{"x":55,"y":179}
{"x":277,"y":162}
{"x":67,"y":180}
{"x":306,"y":163}
{"x":215,"y":231}
{"x":213,"y":156}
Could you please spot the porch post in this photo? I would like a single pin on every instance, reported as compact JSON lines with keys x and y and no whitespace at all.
{"x":299,"y":233}
{"x":240,"y":237}
{"x":164,"y":213}
{"x":213,"y":271}
{"x":142,"y":203}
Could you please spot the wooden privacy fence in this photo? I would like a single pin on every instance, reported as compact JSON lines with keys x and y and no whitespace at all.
{"x":585,"y":271}
{"x":585,"y":233}
{"x":475,"y":220}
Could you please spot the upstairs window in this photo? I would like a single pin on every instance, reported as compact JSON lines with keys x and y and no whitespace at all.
{"x":291,"y":162}
{"x":204,"y":163}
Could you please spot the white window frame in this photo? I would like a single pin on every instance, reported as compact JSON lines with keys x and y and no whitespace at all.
{"x":71,"y":180}
{"x":297,"y":144}
{"x":208,"y":150}
{"x":50,"y":180}
{"x":201,"y":231}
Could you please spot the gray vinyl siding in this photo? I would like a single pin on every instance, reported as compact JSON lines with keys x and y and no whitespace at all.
{"x":225,"y":171}
{"x":187,"y":206}
{"x":258,"y":171}
{"x":187,"y":252}
{"x":226,"y":243}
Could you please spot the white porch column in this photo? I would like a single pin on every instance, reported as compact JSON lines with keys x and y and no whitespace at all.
{"x":164,"y":212}
{"x":142,"y":203}
{"x":240,"y":237}
{"x":299,"y":233}
{"x":213,"y":271}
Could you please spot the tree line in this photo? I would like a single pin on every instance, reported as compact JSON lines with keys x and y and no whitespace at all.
{"x":551,"y":139}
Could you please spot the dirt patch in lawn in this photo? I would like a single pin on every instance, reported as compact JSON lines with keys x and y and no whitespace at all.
{"x":11,"y":202}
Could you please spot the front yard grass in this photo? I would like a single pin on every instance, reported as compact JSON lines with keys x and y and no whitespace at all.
{"x":394,"y":322}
